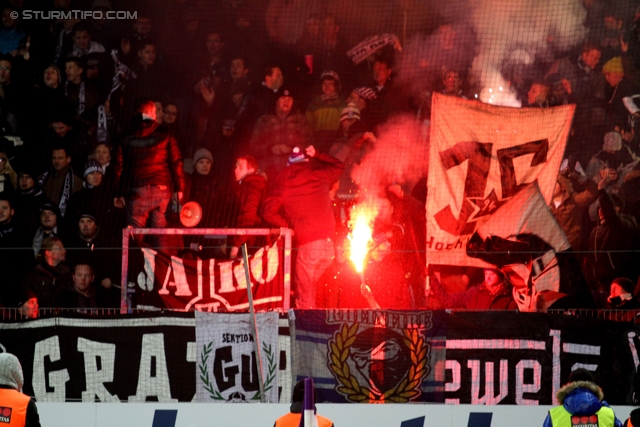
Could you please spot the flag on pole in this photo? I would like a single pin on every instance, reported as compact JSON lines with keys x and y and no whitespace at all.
{"x":308,"y":418}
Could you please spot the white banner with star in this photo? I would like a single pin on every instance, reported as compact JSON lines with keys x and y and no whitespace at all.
{"x":480,"y":156}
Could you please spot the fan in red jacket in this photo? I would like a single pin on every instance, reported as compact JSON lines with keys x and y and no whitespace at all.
{"x":148,"y":170}
{"x":302,"y":192}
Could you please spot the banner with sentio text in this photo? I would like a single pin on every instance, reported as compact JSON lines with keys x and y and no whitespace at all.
{"x":228,"y":361}
{"x":480,"y":156}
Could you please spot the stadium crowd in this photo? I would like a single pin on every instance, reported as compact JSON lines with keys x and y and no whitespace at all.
{"x":102,"y":125}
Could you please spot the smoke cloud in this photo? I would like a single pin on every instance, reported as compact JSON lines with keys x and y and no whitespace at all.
{"x":400,"y":156}
{"x":505,"y":40}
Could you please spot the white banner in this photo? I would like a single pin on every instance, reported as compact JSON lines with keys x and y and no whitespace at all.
{"x":227,"y":361}
{"x":481,"y":156}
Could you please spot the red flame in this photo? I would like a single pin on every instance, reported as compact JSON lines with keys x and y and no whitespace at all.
{"x":362,"y":218}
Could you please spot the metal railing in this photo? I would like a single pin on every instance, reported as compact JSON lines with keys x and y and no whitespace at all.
{"x":127,"y":233}
{"x":19,"y":314}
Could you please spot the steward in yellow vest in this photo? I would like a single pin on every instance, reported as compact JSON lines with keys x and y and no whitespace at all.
{"x":581,"y":404}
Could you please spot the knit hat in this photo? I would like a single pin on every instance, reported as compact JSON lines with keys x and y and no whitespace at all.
{"x":365,"y":93}
{"x":612,"y":142}
{"x":90,"y":215}
{"x":25,"y":168}
{"x":330,"y":74}
{"x":296,"y":156}
{"x":92,"y":166}
{"x":614,"y":65}
{"x":350,"y":112}
{"x":202,"y":153}
{"x":284,"y":92}
{"x":48,"y":206}
{"x":581,"y":374}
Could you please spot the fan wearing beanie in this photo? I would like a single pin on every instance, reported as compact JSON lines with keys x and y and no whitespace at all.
{"x":204,"y":187}
{"x":94,"y":193}
{"x":620,"y":85}
{"x":611,"y":158}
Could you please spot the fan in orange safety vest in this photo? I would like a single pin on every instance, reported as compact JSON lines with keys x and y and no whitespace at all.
{"x":16,"y":408}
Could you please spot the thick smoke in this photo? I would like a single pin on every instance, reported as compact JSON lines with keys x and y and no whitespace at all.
{"x":515,"y":34}
{"x":427,"y":56}
{"x":400,"y":156}
{"x":505,"y":38}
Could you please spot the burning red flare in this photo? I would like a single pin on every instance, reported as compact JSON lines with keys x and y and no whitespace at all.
{"x":361,"y":234}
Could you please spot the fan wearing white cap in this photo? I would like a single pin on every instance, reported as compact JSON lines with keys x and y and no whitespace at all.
{"x":323,"y":113}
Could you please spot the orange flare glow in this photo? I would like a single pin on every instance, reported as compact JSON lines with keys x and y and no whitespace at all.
{"x":361,"y":235}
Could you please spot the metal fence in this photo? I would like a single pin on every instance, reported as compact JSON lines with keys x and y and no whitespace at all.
{"x":20,"y":314}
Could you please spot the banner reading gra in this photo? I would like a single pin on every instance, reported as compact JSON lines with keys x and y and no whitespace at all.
{"x":480,"y":156}
{"x":207,"y":285}
{"x":227,"y":364}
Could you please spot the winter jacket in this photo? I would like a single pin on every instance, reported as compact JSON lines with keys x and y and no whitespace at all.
{"x":148,"y":156}
{"x":325,"y":115}
{"x":611,"y":243}
{"x":302,"y":189}
{"x":474,"y":298}
{"x":46,"y":282}
{"x":582,"y":398}
{"x":571,"y":212}
{"x":274,"y":138}
{"x":249,"y":196}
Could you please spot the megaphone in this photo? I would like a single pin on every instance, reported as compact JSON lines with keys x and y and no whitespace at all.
{"x":191,"y":214}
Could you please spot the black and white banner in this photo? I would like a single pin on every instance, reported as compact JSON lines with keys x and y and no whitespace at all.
{"x":489,"y":358}
{"x":524,"y":358}
{"x":134,"y":359}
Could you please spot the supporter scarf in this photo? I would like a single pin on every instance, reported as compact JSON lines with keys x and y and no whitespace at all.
{"x":39,"y":237}
{"x":66,"y":190}
{"x":60,"y":44}
{"x":81,"y":97}
{"x":102,"y":133}
{"x":371,"y":45}
{"x":121,"y":74}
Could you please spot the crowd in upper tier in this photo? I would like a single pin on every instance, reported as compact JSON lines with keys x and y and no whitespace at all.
{"x":229,"y":101}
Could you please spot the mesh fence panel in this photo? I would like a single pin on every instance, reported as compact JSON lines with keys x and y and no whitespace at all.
{"x":223,"y":75}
